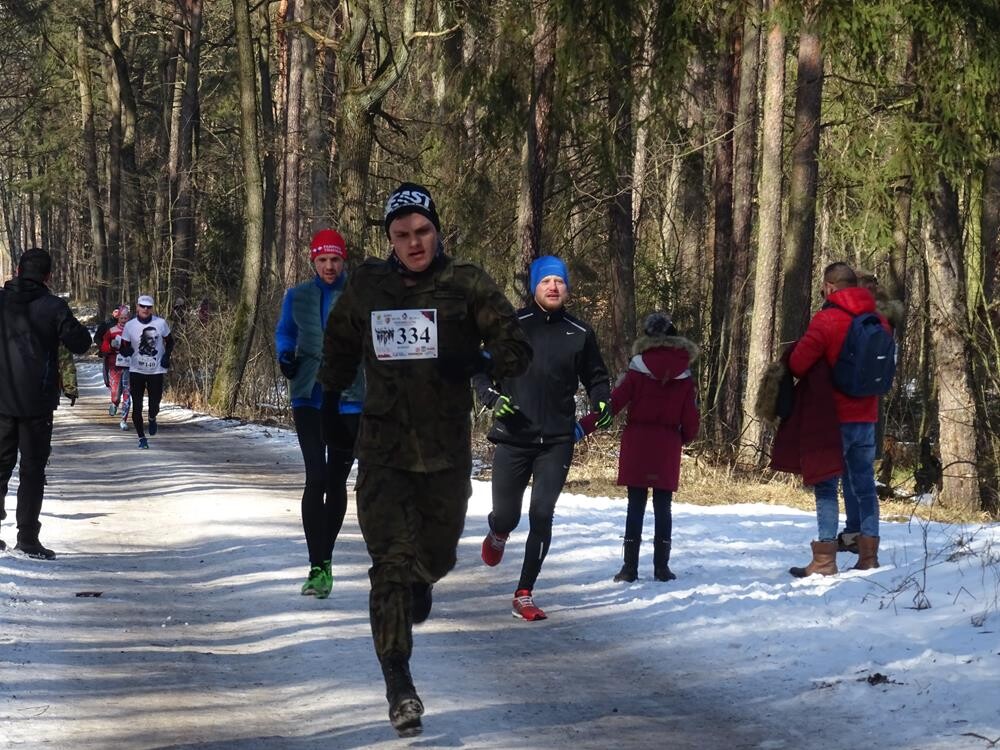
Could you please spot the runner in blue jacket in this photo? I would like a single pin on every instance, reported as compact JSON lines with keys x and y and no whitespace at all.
{"x":299,"y":343}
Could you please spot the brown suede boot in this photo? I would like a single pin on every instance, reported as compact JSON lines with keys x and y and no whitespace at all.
{"x":867,"y":552}
{"x":824,"y":561}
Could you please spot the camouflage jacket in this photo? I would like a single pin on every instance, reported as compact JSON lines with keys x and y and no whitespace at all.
{"x":415,"y":418}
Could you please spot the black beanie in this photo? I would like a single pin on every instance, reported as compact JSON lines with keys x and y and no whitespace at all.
{"x":658,"y":324}
{"x":410,"y":198}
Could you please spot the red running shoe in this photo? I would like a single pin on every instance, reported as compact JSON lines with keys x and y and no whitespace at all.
{"x":524,"y":607}
{"x":493,"y":546}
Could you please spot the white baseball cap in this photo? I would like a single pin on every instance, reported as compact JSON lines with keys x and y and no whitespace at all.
{"x":145,"y":300}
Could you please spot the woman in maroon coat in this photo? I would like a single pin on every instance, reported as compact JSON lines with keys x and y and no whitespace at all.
{"x":659,"y":394}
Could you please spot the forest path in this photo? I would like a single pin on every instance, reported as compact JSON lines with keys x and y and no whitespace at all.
{"x":199,"y":638}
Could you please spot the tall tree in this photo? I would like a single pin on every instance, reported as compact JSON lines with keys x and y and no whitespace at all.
{"x":800,"y":235}
{"x":226,"y":385}
{"x":767,"y":268}
{"x":538,"y":136}
{"x":952,"y":356}
{"x":91,"y":177}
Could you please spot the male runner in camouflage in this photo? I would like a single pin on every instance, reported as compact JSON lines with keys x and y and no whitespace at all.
{"x":422,"y":324}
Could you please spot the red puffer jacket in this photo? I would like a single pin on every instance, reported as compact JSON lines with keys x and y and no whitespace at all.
{"x":825,"y":336}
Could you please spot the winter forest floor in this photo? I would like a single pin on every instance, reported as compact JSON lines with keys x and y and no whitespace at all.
{"x":199,"y":638}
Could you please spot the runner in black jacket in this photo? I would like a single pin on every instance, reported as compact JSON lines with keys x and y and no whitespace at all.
{"x":535,"y":417}
{"x":33,"y":323}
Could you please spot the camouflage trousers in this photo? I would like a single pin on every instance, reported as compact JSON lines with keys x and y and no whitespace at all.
{"x":411,"y":522}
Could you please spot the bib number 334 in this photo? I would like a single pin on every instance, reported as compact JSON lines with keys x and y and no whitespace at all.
{"x":405,"y":334}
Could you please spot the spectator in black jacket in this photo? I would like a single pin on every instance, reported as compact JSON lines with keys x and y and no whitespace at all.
{"x":535,"y":420}
{"x":33,"y":323}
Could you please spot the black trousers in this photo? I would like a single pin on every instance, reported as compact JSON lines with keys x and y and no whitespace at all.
{"x":662,"y":513}
{"x":140,"y":384}
{"x":546,"y":466}
{"x":324,"y":498}
{"x":32,"y":438}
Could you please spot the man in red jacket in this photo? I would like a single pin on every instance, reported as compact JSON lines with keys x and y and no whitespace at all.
{"x":843,"y":300}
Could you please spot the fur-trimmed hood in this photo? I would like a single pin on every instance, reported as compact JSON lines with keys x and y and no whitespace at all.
{"x":892,"y":310}
{"x":663,"y":358}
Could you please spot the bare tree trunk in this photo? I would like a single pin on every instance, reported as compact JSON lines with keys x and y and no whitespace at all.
{"x":768,"y":265}
{"x":226,"y":386}
{"x":621,"y":239}
{"x":166,"y":151}
{"x":538,"y":138}
{"x":323,"y":113}
{"x":800,"y":236}
{"x":106,"y":282}
{"x":129,"y":211}
{"x":989,"y":225}
{"x":92,"y":180}
{"x":745,"y":147}
{"x":691,"y":201}
{"x":952,"y":356}
{"x":718,"y":358}
{"x":291,"y":243}
{"x":183,"y":224}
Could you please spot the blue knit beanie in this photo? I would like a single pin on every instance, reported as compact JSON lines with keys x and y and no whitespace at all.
{"x":547,"y":265}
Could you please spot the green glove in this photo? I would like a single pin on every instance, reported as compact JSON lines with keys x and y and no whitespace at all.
{"x":504,"y":407}
{"x":604,"y":415}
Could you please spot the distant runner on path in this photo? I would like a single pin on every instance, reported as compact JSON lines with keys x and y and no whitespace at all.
{"x":146,"y":340}
{"x":299,"y":343}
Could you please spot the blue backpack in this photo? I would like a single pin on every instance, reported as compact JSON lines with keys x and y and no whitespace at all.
{"x":867,"y":360}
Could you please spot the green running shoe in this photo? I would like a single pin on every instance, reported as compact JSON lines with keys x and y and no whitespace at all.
{"x":327,"y":581}
{"x":315,"y":582}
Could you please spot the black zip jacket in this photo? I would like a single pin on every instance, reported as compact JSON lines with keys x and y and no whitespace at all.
{"x":565,"y":355}
{"x":33,"y":322}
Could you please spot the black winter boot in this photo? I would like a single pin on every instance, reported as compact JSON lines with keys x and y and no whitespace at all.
{"x":33,"y":548}
{"x":661,"y":556}
{"x":630,"y":567}
{"x":405,"y":706}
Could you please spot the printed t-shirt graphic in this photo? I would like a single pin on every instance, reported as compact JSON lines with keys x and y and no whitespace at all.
{"x":147,"y":344}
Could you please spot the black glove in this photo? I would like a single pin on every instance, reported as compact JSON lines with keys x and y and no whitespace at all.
{"x":457,"y":368}
{"x":126,"y":349}
{"x":329,"y":414}
{"x":72,"y":399}
{"x":289,"y":364}
{"x":165,"y":361}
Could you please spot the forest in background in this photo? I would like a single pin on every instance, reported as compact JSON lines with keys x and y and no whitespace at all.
{"x":707,"y":158}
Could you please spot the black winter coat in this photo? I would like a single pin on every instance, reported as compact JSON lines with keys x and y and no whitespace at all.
{"x":33,"y":323}
{"x":565,"y":355}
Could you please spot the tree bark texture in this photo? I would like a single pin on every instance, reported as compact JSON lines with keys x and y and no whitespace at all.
{"x":621,"y":238}
{"x":92,"y":179}
{"x":722,"y":246}
{"x":768,"y":264}
{"x":952,"y":354}
{"x":538,"y":139}
{"x":745,"y":156}
{"x":229,"y":375}
{"x":800,"y":234}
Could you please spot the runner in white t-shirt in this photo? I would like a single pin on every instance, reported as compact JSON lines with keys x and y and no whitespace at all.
{"x":147,"y":342}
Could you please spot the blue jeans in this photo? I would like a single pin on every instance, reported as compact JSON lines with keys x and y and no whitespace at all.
{"x":858,"y":481}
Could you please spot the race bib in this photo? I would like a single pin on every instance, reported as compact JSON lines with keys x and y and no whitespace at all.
{"x":122,"y":361}
{"x":405,"y":334}
{"x":145,"y":363}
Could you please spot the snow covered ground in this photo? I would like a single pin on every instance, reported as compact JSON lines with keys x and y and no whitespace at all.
{"x":199,"y":639}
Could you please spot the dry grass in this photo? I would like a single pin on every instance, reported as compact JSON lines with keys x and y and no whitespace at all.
{"x":595,"y":469}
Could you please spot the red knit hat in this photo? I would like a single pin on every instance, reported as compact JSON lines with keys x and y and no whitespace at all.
{"x":327,"y":242}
